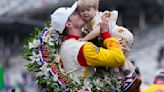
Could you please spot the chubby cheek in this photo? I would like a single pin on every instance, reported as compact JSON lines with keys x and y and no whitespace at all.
{"x":83,"y":16}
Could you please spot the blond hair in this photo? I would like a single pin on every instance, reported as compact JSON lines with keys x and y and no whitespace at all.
{"x":86,"y":4}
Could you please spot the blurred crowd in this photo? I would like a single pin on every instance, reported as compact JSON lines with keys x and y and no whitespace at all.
{"x":18,"y":81}
{"x":13,"y":76}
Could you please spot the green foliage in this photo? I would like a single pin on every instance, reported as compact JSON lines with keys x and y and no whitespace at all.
{"x":48,"y":24}
{"x":26,"y":52}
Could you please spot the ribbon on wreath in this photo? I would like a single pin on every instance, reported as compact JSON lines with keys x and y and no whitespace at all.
{"x":60,"y":78}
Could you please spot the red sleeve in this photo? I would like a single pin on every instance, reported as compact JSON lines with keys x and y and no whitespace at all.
{"x":105,"y":35}
{"x":81,"y":58}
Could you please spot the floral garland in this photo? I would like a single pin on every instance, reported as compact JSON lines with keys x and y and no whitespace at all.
{"x":42,"y":51}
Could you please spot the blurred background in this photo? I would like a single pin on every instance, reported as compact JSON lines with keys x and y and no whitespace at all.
{"x":144,"y":18}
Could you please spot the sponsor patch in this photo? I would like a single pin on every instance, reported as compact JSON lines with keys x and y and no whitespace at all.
{"x":94,"y":48}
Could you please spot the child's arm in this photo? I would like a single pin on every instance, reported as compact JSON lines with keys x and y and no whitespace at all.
{"x":92,"y":34}
{"x":96,"y":29}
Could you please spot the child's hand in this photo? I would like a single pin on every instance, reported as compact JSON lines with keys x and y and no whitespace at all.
{"x":104,"y":27}
{"x":106,"y":13}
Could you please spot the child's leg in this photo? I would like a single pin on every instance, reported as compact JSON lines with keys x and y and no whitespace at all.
{"x":128,"y":68}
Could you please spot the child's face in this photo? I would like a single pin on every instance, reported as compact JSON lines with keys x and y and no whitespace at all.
{"x":88,"y":14}
{"x":76,"y":20}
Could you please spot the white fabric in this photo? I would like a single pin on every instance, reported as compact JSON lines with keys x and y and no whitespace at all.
{"x":97,"y":19}
{"x":125,"y":37}
{"x":69,"y":52}
{"x":60,"y":17}
{"x":112,"y":19}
